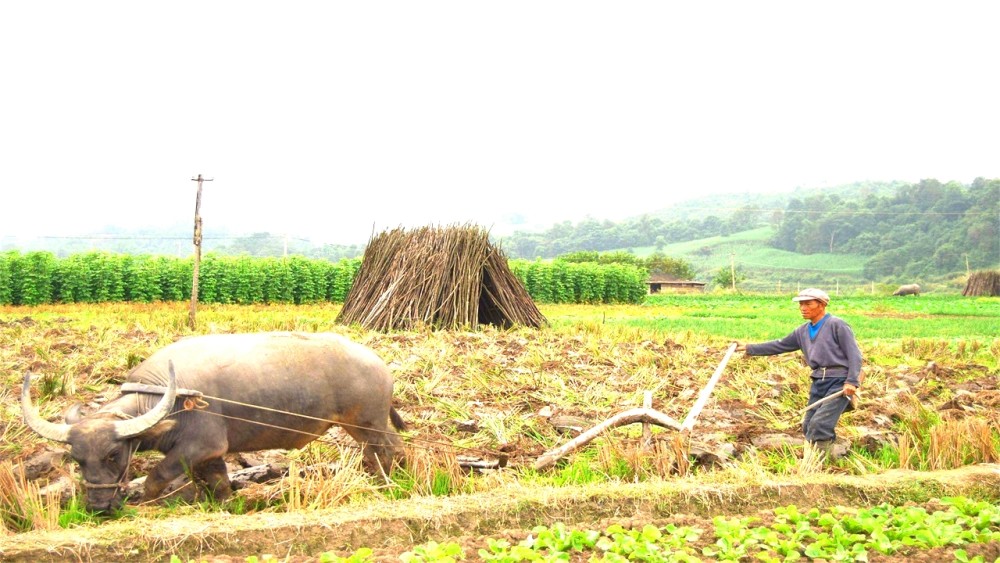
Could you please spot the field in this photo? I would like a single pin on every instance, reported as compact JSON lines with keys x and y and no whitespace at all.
{"x":923,"y":439}
{"x":752,"y":252}
{"x":763,"y":268}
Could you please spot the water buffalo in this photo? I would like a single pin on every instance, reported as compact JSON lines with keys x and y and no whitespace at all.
{"x":909,"y":289}
{"x":250,"y":383}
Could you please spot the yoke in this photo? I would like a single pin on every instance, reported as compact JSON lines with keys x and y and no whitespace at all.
{"x":132,"y":387}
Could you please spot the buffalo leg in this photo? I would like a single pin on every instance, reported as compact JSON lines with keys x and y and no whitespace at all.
{"x":160,"y":477}
{"x":176,"y":464}
{"x":380,"y":446}
{"x":216,"y":478}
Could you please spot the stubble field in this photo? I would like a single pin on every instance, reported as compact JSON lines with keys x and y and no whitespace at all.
{"x":472,"y":398}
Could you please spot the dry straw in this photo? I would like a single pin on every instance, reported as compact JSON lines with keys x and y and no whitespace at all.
{"x":318,"y":486}
{"x":955,"y":443}
{"x":22,"y":503}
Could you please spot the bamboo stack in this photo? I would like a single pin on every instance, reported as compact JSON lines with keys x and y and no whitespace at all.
{"x":985,"y":283}
{"x":441,"y":277}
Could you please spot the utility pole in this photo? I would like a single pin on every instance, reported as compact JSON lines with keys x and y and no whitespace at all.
{"x":732,"y":269}
{"x":197,"y":251}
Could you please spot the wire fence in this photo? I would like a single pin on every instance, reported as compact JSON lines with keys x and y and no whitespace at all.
{"x":833,"y":287}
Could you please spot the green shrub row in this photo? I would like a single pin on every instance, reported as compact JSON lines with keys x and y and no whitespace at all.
{"x":37,"y":278}
{"x":581,"y":282}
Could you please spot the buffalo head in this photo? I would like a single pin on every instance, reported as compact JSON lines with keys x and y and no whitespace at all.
{"x":102,"y":443}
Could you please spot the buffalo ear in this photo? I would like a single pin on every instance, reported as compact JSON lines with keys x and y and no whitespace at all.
{"x":73,"y":414}
{"x":159,"y":429}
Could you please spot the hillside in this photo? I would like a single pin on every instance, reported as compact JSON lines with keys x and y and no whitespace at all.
{"x":763,"y":267}
{"x":902,"y":233}
{"x":724,"y":205}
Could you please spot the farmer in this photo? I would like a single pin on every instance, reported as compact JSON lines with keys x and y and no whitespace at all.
{"x":832,"y":352}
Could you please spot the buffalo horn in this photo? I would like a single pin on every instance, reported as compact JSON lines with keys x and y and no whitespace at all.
{"x":140,"y":424}
{"x":52,"y":431}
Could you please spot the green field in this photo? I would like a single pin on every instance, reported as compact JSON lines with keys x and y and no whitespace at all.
{"x":767,"y":316}
{"x":766,"y":268}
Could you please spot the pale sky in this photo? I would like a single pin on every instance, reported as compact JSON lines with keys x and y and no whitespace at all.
{"x":328,"y":120}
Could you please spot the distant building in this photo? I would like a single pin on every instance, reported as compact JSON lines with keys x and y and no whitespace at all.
{"x":664,"y":283}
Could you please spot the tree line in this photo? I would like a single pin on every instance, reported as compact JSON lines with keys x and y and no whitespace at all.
{"x":924,"y":229}
{"x":927,"y":228}
{"x":905,"y":231}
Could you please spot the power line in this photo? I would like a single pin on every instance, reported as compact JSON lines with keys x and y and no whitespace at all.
{"x":773,"y":267}
{"x":124,"y":237}
{"x":142,"y":237}
{"x":834,"y":212}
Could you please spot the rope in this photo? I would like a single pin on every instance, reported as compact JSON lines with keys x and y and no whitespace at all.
{"x":482,"y":451}
{"x":185,"y":485}
{"x":122,"y":482}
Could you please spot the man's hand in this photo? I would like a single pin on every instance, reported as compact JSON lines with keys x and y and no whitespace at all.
{"x":849,"y":390}
{"x":740,"y":346}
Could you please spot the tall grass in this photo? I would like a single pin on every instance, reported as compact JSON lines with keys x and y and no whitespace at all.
{"x":927,"y":442}
{"x":23,"y":507}
{"x":311,"y":486}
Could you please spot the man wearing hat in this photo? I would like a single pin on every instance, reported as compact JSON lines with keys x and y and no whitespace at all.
{"x":830,"y":349}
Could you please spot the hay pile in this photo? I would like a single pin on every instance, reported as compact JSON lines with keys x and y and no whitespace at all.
{"x":986,"y":283}
{"x":438,"y":277}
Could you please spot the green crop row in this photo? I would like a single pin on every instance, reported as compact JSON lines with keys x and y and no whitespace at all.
{"x":839,"y":534}
{"x":583,"y":282}
{"x":38,"y":278}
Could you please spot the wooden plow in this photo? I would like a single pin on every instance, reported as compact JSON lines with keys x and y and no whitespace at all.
{"x":646,"y":415}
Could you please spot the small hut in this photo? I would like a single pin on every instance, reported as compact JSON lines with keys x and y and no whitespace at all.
{"x":441,"y":277}
{"x":663,"y":283}
{"x":985,"y":283}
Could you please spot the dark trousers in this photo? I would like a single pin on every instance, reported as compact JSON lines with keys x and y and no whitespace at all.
{"x":820,"y":422}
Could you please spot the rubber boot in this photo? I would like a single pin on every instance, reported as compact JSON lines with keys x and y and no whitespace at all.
{"x":825,"y":447}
